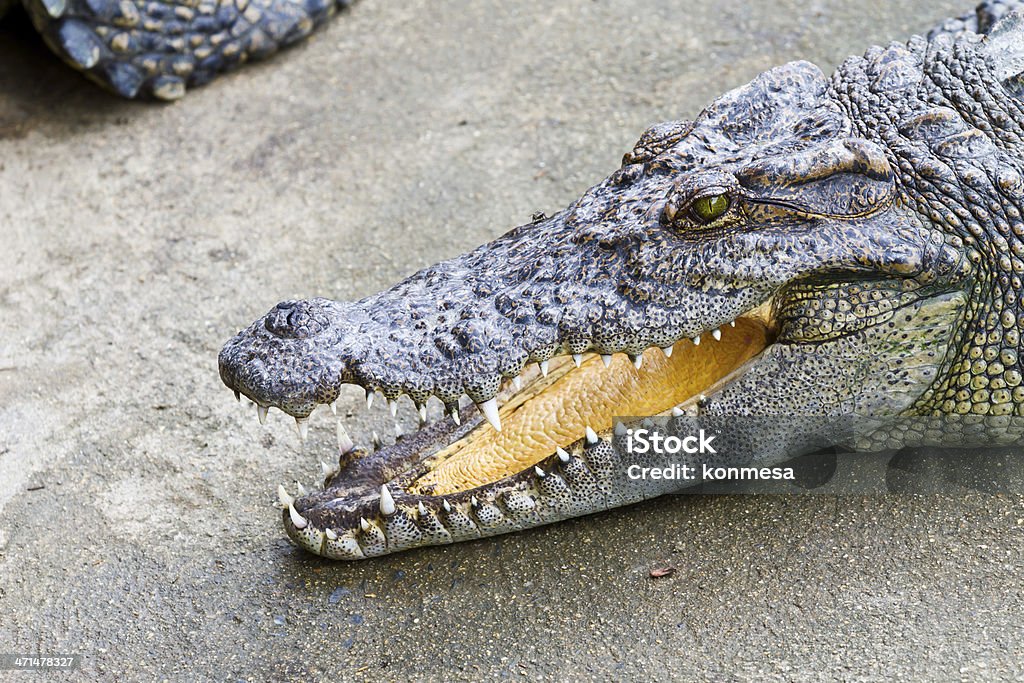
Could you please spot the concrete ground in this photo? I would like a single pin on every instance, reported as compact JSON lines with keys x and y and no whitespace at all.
{"x":137,"y":524}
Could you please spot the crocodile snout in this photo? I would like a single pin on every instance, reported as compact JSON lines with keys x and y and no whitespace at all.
{"x":297,"y":319}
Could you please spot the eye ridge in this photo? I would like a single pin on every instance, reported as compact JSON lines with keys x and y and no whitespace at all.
{"x":710,"y":207}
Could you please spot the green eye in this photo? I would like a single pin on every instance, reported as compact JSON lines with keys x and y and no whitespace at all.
{"x":707,"y":209}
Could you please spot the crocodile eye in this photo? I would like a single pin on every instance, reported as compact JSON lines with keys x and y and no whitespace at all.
{"x":707,"y":209}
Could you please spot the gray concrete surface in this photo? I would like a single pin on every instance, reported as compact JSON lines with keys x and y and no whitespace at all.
{"x":137,"y":524}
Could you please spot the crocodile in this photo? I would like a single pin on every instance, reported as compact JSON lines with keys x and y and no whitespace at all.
{"x":808,"y":245}
{"x":159,"y":48}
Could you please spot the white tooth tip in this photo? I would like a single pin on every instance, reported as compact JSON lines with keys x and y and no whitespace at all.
{"x":369,"y":398}
{"x":363,"y":524}
{"x":302,"y":426}
{"x":376,"y":440}
{"x":620,"y":429}
{"x":423,"y":414}
{"x":421,"y":508}
{"x":283,"y":497}
{"x":677,"y":412}
{"x":398,"y":430}
{"x":732,"y":323}
{"x":345,"y":443}
{"x":331,"y":534}
{"x":667,"y":350}
{"x":517,"y":382}
{"x":325,"y":469}
{"x":387,"y":503}
{"x":456,"y":418}
{"x":607,"y":358}
{"x":562,"y":455}
{"x":333,"y":405}
{"x":702,"y":398}
{"x":539,"y":472}
{"x":490,"y":410}
{"x":261,"y":413}
{"x":544,"y":368}
{"x":393,"y":407}
{"x":577,"y":358}
{"x":447,"y":506}
{"x":638,"y":361}
{"x":298,"y":520}
{"x":591,"y":436}
{"x":717,"y":334}
{"x":473,"y":501}
{"x":301,"y":489}
{"x":696,"y":340}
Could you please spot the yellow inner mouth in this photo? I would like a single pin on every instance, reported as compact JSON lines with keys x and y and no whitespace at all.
{"x":554,"y":411}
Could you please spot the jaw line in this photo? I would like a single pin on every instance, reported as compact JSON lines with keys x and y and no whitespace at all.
{"x":412,"y":457}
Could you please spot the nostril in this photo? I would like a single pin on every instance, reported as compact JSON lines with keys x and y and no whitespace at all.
{"x":297,"y":319}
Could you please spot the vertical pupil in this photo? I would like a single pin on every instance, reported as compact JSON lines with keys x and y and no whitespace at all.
{"x":711,"y":207}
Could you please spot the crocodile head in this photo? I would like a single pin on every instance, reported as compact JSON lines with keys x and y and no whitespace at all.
{"x":807,"y":245}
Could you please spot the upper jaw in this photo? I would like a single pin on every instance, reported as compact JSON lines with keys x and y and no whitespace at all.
{"x":466,"y":326}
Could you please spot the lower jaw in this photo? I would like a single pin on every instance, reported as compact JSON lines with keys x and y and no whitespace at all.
{"x":544,"y":465}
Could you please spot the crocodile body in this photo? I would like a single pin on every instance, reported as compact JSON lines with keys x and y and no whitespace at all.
{"x":157,"y":49}
{"x":807,"y":246}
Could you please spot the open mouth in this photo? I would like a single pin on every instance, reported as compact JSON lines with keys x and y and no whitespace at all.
{"x":538,"y":453}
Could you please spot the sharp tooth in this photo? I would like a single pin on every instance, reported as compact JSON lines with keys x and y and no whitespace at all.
{"x":369,"y":398}
{"x":261,"y":413}
{"x":677,"y":412}
{"x":376,"y":441}
{"x":562,"y":455}
{"x":301,"y":489}
{"x":638,"y":361}
{"x":302,"y":425}
{"x":393,"y":407}
{"x":543,"y":368}
{"x":667,"y":350}
{"x":539,"y":472}
{"x":732,"y":323}
{"x":577,"y":358}
{"x":398,"y":430}
{"x":423,"y":414}
{"x":717,"y":334}
{"x":474,"y":502}
{"x":238,"y":395}
{"x":454,"y":414}
{"x":591,"y":435}
{"x":490,"y":410}
{"x":620,"y":429}
{"x":447,"y":506}
{"x":363,"y":524}
{"x":298,"y":520}
{"x":387,"y":503}
{"x":333,"y":405}
{"x":421,"y":508}
{"x":607,"y":358}
{"x":325,"y":469}
{"x":283,"y":497}
{"x":696,"y":340}
{"x":345,"y":443}
{"x":331,"y":534}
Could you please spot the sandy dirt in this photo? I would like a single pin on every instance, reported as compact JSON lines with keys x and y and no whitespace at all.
{"x":136,"y":519}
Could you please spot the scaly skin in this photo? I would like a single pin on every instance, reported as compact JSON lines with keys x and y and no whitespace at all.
{"x":156,"y":48}
{"x":877,"y":212}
